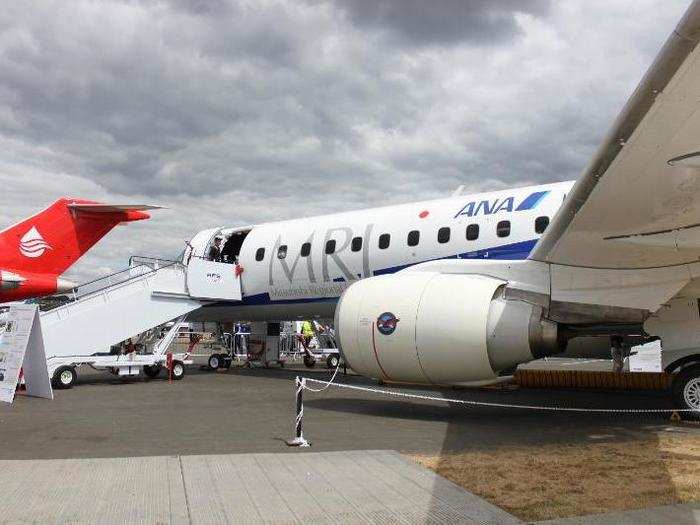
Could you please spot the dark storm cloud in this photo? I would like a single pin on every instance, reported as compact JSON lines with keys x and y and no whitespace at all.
{"x":420,"y":22}
{"x":234,"y":112}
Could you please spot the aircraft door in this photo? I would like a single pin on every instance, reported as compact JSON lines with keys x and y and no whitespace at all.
{"x":213,"y":280}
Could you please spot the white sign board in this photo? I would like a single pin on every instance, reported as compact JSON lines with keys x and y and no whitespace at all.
{"x":22,"y":348}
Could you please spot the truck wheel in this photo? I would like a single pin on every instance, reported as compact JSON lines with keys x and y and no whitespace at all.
{"x":686,"y":391}
{"x":178,"y":370}
{"x":333,"y":361}
{"x":64,"y":377}
{"x":309,"y":362}
{"x":152,"y":371}
{"x":214,"y":361}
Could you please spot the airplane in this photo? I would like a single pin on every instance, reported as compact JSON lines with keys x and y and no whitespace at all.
{"x":460,"y":291}
{"x":35,"y":252}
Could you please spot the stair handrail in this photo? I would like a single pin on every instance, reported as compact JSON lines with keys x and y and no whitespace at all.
{"x":76,"y":294}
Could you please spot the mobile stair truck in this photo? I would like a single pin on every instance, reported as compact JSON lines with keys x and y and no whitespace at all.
{"x":105,"y":312}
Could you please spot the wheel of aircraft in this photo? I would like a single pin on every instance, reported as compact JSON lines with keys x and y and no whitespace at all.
{"x":333,"y":361}
{"x":178,"y":370}
{"x":64,"y":377}
{"x":214,"y":361}
{"x":686,"y":391}
{"x":152,"y":371}
{"x":309,"y":361}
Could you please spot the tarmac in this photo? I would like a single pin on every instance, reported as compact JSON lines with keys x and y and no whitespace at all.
{"x":245,"y":411}
{"x":219,"y":436}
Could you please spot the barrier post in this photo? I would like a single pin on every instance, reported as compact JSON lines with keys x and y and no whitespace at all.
{"x":299,"y":440}
{"x":169,"y":365}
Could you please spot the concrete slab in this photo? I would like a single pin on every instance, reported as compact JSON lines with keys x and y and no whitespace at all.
{"x":358,"y":486}
{"x":672,"y":514}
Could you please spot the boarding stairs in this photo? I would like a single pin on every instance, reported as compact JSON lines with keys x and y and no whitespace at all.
{"x":112,"y":309}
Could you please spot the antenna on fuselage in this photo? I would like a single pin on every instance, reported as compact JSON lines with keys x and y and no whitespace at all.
{"x":458,"y":191}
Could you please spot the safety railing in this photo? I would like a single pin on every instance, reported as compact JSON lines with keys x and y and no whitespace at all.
{"x":155,"y":262}
{"x":138,"y":267}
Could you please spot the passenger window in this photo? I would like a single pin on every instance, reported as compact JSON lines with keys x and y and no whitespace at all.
{"x":356,"y":244}
{"x":305,"y":249}
{"x":443,"y":235}
{"x":384,"y":240}
{"x":503,"y":229}
{"x":282,"y":251}
{"x":472,"y":232}
{"x":330,"y":246}
{"x":413,"y":238}
{"x":260,"y":254}
{"x":541,"y":224}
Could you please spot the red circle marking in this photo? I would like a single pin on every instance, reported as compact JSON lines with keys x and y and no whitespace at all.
{"x":423,"y":214}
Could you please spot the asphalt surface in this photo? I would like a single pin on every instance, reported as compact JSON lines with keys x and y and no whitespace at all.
{"x":244,"y":410}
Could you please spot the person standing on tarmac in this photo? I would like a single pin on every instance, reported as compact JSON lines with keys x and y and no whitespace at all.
{"x":617,"y":353}
{"x":307,"y":333}
{"x":215,"y":250}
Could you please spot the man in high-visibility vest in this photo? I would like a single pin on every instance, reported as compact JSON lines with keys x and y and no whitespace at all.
{"x":307,"y":333}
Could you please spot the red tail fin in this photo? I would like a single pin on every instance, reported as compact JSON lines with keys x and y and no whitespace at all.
{"x":52,"y":240}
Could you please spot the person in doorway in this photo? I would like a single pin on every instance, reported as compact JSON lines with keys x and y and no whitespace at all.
{"x":229,"y":253}
{"x":215,"y":250}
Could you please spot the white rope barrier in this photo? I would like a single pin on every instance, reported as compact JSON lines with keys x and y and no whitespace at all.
{"x":327,"y":383}
{"x":302,"y":384}
{"x":495,"y":405}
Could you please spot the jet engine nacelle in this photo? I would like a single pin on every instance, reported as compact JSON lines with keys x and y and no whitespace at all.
{"x":447,"y":329}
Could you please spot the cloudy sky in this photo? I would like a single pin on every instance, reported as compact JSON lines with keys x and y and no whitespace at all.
{"x":236,"y":112}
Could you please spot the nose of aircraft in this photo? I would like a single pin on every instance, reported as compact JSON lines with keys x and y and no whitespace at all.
{"x":64,"y":285}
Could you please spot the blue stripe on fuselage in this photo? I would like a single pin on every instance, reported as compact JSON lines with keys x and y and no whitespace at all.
{"x":532,"y":200}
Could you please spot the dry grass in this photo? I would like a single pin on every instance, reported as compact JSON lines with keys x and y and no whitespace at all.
{"x":573,"y":480}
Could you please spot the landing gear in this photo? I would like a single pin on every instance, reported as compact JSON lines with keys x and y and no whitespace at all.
{"x":64,"y":377}
{"x":686,"y":391}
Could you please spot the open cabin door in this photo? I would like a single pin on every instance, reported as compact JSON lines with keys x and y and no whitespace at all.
{"x":213,"y":280}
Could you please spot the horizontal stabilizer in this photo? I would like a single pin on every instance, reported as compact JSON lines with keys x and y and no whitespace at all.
{"x":112,"y":208}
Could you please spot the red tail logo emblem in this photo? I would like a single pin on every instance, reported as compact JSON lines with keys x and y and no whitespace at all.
{"x":32,"y":244}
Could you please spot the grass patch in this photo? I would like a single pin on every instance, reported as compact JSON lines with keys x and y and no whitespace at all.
{"x":555,"y":481}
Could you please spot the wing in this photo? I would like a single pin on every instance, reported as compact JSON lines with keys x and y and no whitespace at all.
{"x":637,"y":205}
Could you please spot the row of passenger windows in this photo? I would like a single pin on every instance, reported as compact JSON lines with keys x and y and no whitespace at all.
{"x":413,"y":238}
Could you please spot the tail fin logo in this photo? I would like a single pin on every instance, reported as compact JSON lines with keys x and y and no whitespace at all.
{"x":32,"y":244}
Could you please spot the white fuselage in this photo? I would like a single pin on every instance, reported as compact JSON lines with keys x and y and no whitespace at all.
{"x":299,"y":268}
